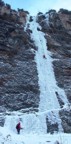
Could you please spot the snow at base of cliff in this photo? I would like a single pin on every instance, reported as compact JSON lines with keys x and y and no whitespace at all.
{"x":11,"y":137}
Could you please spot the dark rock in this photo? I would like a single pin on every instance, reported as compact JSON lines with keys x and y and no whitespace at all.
{"x":57,"y":142}
{"x":60,"y":100}
{"x":31,"y":19}
{"x":51,"y":128}
{"x":2,"y":121}
{"x":38,"y":29}
{"x":64,"y":11}
{"x":40,"y":13}
{"x":8,"y":6}
{"x":66,"y":120}
{"x":18,"y":73}
{"x":1,"y":3}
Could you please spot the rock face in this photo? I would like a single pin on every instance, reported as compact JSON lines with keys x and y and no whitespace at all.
{"x":19,"y":88}
{"x":11,"y":15}
{"x":18,"y":75}
{"x":57,"y":29}
{"x":66,"y":120}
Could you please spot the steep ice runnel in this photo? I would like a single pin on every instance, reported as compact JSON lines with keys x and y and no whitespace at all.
{"x":47,"y":82}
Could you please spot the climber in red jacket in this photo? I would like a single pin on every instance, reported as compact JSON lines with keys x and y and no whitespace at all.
{"x":18,"y":127}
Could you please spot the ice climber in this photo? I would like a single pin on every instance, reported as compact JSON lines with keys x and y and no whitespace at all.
{"x":18,"y":127}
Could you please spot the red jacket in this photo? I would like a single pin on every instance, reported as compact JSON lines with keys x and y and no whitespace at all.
{"x":18,"y":126}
